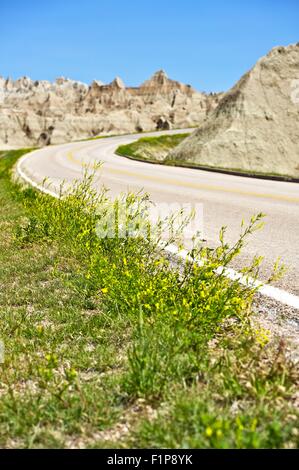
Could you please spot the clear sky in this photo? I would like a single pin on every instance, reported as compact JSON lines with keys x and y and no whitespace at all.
{"x":208,"y":44}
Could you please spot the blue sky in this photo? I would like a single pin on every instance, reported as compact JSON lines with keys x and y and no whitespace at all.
{"x":208,"y":44}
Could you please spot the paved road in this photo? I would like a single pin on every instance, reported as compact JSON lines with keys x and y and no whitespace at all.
{"x":226,"y":199}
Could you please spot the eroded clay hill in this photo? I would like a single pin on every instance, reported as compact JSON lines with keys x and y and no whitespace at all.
{"x":255,"y":126}
{"x":40,"y":112}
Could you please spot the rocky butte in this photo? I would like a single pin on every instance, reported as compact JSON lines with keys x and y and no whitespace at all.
{"x":37,"y":113}
{"x":255,"y":127}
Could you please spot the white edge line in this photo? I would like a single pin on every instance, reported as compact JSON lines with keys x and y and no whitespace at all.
{"x":268,"y":291}
{"x":30,"y":181}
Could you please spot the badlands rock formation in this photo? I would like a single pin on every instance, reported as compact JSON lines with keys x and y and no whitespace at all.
{"x":40,"y":113}
{"x":255,"y":126}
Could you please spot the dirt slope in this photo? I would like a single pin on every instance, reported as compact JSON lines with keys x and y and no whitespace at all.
{"x":255,"y":126}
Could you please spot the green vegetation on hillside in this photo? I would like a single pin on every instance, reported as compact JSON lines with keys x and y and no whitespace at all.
{"x":107,"y":343}
{"x":151,"y":149}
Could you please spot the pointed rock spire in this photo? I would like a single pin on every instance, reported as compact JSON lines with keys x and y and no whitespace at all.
{"x":159,"y":78}
{"x":118,"y":83}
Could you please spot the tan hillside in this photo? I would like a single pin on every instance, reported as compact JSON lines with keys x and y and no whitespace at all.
{"x":255,"y":126}
{"x":40,"y":112}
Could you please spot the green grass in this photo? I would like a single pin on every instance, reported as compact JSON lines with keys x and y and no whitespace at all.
{"x":151,"y":149}
{"x":108,"y":344}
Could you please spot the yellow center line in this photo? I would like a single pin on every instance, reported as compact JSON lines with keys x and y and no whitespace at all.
{"x":175,"y":182}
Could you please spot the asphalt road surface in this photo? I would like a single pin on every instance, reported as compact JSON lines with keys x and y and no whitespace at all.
{"x":226,"y":199}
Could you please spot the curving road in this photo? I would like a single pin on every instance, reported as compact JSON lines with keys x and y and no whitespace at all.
{"x":226,"y":199}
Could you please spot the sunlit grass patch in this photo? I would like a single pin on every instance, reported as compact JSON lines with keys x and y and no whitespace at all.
{"x":151,"y":148}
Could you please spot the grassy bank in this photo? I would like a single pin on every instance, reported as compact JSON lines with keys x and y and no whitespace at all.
{"x":151,"y":149}
{"x":156,"y":150}
{"x":106,"y":344}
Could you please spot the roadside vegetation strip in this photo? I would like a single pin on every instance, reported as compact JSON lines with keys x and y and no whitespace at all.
{"x":269,"y":291}
{"x":151,"y":149}
{"x":109,"y":344}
